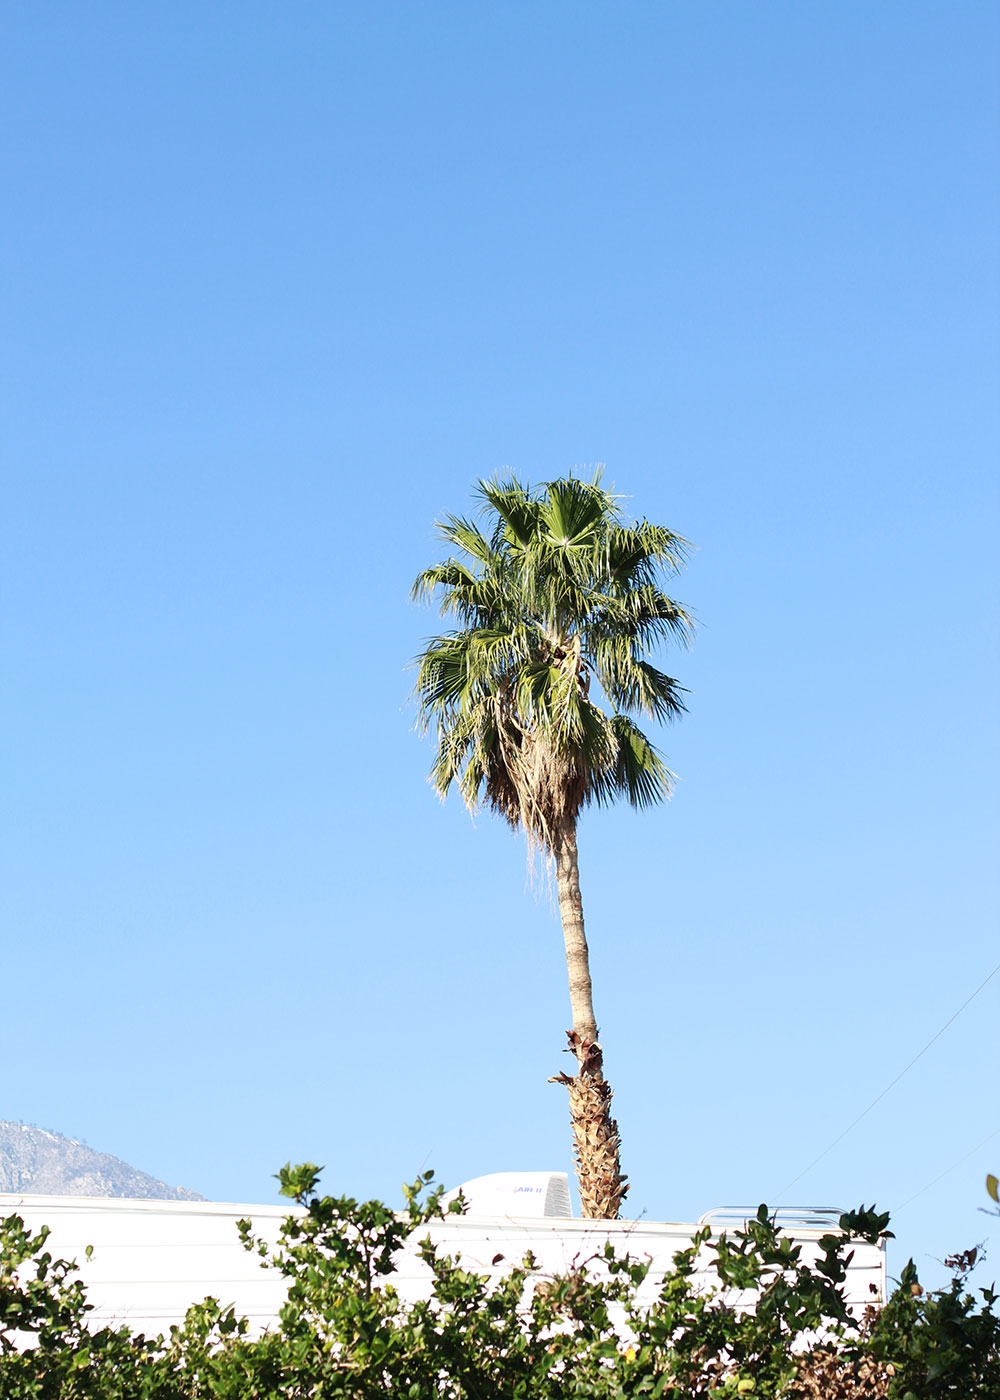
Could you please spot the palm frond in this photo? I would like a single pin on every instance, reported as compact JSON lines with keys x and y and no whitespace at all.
{"x":448,"y":577}
{"x":640,"y":774}
{"x":635,"y":551}
{"x":642,"y":613}
{"x":574,"y":514}
{"x":631,"y":683}
{"x":516,"y":510}
{"x":467,"y":536}
{"x":557,"y":588}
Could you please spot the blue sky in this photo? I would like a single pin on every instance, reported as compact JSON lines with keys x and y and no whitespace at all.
{"x":282,"y":283}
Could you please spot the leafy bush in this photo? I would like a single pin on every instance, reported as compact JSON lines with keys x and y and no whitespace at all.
{"x":939,"y":1344}
{"x":46,"y":1350}
{"x":345,"y":1334}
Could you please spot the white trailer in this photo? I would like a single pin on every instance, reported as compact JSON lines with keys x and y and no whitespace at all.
{"x":152,"y":1259}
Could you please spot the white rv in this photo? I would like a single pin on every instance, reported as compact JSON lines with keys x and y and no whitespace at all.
{"x":152,"y":1259}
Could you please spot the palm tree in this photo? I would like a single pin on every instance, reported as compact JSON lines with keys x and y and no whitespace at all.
{"x":556,"y":600}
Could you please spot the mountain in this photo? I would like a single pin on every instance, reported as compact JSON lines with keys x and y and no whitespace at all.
{"x":46,"y":1164}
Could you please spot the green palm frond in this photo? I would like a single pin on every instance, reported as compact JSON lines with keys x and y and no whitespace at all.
{"x":573,"y":515}
{"x":640,"y":773}
{"x":558,"y":590}
{"x":442,"y":578}
{"x":516,"y":511}
{"x":642,"y":613}
{"x":635,"y":684}
{"x":467,"y":536}
{"x":638,"y":551}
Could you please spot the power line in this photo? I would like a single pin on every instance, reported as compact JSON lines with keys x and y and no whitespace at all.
{"x":948,"y":1170}
{"x":881,"y":1096}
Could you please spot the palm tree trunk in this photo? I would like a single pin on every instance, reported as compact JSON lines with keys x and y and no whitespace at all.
{"x":595,"y":1132}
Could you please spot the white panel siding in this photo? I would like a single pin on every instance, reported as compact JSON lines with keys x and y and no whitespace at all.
{"x":153,"y":1259}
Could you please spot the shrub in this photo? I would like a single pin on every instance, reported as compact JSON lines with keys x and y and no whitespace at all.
{"x":345,"y":1334}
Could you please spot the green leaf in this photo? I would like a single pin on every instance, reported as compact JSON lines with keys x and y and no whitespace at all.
{"x":558,"y":598}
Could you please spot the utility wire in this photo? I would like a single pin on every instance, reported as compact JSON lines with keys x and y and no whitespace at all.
{"x":948,"y":1170}
{"x":864,"y":1113}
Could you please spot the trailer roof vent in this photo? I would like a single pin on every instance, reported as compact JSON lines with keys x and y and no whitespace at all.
{"x":786,"y":1217}
{"x":526,"y":1194}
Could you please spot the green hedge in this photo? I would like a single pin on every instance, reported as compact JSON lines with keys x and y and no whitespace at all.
{"x":345,"y":1333}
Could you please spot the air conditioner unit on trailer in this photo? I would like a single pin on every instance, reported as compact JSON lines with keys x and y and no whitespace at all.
{"x":527,"y":1195}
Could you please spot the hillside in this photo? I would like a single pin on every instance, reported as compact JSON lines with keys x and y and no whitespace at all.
{"x":43,"y":1163}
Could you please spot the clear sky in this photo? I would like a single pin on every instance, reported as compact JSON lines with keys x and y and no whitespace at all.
{"x":282,"y":280}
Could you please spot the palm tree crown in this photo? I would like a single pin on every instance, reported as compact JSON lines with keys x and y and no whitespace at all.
{"x":558,"y":594}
